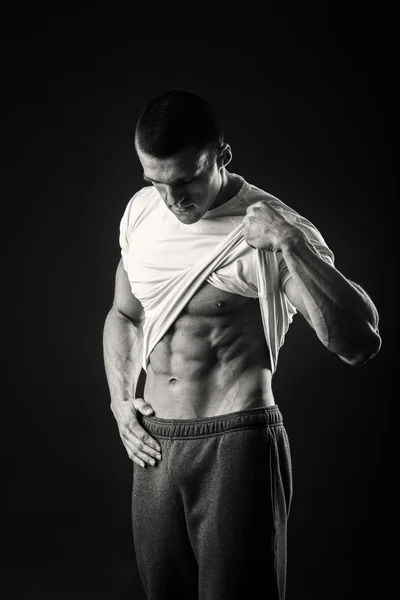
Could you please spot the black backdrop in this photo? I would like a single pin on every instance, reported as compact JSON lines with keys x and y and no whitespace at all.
{"x":306,"y":109}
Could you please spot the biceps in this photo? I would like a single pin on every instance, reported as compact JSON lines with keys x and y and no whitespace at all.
{"x":124,"y":301}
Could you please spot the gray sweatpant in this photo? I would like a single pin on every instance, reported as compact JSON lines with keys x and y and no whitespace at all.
{"x":209,"y":521}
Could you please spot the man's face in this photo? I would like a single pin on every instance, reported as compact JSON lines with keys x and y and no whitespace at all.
{"x":188,"y":182}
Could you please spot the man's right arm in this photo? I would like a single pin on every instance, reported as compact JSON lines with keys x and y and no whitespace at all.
{"x":122,"y":346}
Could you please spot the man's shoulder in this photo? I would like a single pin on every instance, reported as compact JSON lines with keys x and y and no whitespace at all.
{"x":311,"y":231}
{"x":142,"y":203}
{"x":256,"y":194}
{"x":146,"y":195}
{"x":139,"y":207}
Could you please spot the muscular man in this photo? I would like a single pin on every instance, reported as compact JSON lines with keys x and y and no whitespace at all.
{"x":212,"y":271}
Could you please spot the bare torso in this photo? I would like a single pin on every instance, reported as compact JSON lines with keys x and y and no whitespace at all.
{"x":214,"y":359}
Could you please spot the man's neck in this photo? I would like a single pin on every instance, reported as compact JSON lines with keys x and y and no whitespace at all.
{"x":230,"y":186}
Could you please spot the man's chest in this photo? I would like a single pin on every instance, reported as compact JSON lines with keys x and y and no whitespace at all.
{"x":163,"y":248}
{"x":209,"y":301}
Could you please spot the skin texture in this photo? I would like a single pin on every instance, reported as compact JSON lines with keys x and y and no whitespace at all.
{"x":214,"y":359}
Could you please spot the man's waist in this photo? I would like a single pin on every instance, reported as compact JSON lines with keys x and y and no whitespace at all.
{"x":218,"y":391}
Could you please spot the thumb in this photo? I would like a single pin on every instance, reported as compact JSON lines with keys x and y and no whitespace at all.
{"x":143,"y":407}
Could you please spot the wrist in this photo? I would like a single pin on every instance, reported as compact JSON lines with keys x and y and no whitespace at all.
{"x":293,"y":239}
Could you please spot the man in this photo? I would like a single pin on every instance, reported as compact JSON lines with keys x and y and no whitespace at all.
{"x":212,"y":271}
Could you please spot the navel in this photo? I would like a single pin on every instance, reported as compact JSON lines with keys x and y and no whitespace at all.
{"x":220,"y":304}
{"x":173,"y":380}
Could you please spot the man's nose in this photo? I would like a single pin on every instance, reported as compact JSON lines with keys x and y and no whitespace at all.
{"x":174,"y":196}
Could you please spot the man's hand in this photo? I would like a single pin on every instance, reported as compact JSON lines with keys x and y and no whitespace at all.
{"x":141,"y":448}
{"x":266,"y":228}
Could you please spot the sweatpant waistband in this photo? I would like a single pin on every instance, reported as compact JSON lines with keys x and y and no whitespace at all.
{"x":191,"y":428}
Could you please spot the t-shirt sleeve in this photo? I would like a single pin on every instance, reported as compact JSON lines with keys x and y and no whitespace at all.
{"x":123,"y":236}
{"x":138,"y":208}
{"x":126,"y":227}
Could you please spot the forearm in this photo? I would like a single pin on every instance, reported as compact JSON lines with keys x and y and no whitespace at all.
{"x":341,"y":313}
{"x":122,"y":350}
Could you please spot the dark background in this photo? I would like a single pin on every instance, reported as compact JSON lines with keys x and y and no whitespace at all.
{"x":306,"y":106}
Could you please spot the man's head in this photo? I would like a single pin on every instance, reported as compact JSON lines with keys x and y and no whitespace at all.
{"x":182,"y":152}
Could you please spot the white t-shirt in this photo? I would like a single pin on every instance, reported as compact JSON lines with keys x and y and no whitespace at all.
{"x":167,"y":261}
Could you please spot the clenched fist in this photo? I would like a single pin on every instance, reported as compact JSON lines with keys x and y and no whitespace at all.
{"x":266,"y":228}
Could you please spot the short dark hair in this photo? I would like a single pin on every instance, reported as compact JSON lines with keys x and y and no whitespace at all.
{"x":174,"y":120}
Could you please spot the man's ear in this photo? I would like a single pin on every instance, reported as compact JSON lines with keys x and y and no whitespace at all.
{"x":224,"y":155}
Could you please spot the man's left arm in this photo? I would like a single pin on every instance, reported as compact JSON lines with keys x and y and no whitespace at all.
{"x":340,"y":311}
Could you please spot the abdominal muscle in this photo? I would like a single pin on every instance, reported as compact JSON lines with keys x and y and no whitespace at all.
{"x":213,"y":360}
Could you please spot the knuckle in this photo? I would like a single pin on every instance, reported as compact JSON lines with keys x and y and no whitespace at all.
{"x":141,"y":435}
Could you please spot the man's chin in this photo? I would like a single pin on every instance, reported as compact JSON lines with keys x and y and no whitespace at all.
{"x":188,"y":217}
